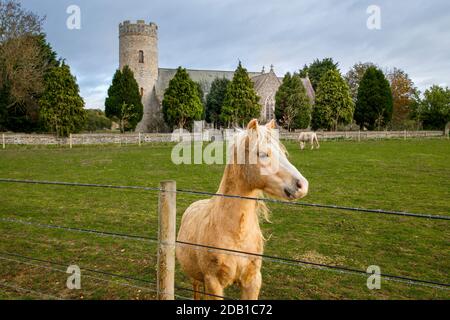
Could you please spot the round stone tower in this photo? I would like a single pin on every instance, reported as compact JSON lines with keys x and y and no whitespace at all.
{"x":138,"y":48}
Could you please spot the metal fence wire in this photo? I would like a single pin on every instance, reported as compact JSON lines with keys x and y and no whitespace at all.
{"x":93,"y":273}
{"x":304,"y":204}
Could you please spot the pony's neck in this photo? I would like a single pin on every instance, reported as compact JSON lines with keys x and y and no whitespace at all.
{"x":234,"y":182}
{"x":237,"y":215}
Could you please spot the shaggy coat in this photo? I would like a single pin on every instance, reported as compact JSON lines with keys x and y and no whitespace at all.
{"x":232,"y":223}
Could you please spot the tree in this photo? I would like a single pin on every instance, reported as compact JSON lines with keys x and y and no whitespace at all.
{"x":24,"y":59}
{"x":281,"y":98}
{"x":241,"y":101}
{"x":124,"y":102}
{"x":292,"y":105}
{"x":374,"y":100}
{"x":201,"y":94}
{"x":182,"y":103}
{"x":433,"y":110}
{"x":333,"y":104}
{"x":16,"y":22}
{"x":96,"y":120}
{"x":354,"y":76}
{"x":317,"y":69}
{"x":402,"y":94}
{"x":62,"y":108}
{"x":20,"y":97}
{"x":214,"y":100}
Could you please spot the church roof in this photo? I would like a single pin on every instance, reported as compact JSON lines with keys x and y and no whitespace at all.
{"x":260,"y":79}
{"x":206,"y":77}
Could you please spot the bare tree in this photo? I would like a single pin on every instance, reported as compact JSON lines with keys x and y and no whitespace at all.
{"x":16,"y":21}
{"x":21,"y":67}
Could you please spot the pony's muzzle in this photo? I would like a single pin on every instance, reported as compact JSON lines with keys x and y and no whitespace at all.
{"x":302,"y":188}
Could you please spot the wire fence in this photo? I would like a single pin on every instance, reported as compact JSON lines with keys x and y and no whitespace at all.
{"x":46,"y":264}
{"x":296,"y":262}
{"x":212,"y":194}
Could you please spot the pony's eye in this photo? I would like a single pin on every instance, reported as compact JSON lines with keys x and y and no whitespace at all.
{"x":262,"y":154}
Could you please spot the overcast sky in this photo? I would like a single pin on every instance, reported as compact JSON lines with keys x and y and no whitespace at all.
{"x":201,"y":34}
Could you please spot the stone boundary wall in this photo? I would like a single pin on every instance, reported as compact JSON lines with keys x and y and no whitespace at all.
{"x":136,"y":138}
{"x":85,"y":139}
{"x":364,"y":135}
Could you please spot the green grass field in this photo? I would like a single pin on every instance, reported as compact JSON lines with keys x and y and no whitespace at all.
{"x":412,"y":175}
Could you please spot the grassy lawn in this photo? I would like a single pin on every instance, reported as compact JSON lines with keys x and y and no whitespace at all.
{"x":411,"y":175}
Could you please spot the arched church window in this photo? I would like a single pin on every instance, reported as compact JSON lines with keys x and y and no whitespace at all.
{"x":269,"y":107}
{"x":142,"y":92}
{"x":141,"y":56}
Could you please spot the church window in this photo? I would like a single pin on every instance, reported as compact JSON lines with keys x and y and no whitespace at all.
{"x":269,"y":107}
{"x":142,"y":92}
{"x":141,"y":56}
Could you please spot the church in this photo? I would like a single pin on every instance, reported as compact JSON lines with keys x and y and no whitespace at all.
{"x":138,"y":48}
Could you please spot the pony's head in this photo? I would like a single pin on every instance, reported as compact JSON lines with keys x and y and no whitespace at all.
{"x":262,"y":162}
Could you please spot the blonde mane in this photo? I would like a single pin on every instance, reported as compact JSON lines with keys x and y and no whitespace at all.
{"x":263,"y":136}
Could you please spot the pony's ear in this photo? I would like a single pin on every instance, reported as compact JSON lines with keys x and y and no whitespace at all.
{"x":253,"y":124}
{"x":271,"y":124}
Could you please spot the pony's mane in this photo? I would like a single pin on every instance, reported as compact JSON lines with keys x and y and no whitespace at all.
{"x":263,"y":136}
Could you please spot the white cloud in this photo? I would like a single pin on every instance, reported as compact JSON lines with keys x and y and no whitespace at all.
{"x":214,"y":35}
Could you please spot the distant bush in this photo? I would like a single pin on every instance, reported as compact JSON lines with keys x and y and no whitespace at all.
{"x":410,"y":124}
{"x":97,"y":120}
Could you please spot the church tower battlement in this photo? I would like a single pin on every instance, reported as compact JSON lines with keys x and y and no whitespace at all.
{"x":138,"y":48}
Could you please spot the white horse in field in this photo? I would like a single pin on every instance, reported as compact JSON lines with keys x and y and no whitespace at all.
{"x":233,"y":223}
{"x":310,"y":137}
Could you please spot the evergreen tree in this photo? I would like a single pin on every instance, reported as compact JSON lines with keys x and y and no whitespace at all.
{"x":49,"y":58}
{"x":333,"y":103}
{"x":433,"y":110}
{"x":281,"y":97}
{"x":124,"y":101}
{"x":241,"y":101}
{"x":354,"y":76}
{"x":201,"y":94}
{"x":61,"y":107}
{"x":182,"y":103}
{"x":214,"y":100}
{"x":317,"y":69}
{"x":374,"y":101}
{"x":292,"y":105}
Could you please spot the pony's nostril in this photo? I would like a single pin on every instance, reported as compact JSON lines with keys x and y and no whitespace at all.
{"x":299,"y":184}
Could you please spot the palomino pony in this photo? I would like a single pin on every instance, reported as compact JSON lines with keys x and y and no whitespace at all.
{"x":310,"y":137}
{"x":233,"y":223}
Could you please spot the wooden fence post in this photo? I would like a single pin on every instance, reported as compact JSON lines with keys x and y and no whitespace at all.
{"x":3,"y":141}
{"x":359,"y":135}
{"x":166,"y":241}
{"x":70,"y":141}
{"x":139,"y":139}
